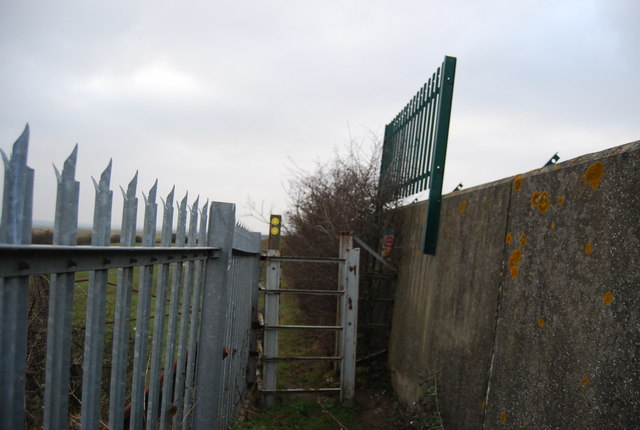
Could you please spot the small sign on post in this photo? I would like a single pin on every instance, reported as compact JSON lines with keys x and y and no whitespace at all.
{"x":275,"y":227}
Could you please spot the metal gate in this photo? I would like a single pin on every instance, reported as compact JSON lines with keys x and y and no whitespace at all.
{"x":346,"y":322}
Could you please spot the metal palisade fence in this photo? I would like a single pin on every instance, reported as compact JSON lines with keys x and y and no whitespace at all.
{"x":415,"y":147}
{"x":178,"y":346}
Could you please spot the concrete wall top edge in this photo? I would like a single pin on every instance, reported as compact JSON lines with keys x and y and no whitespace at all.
{"x":582,"y":159}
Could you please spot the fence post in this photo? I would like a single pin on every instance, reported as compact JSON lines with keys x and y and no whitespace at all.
{"x":56,"y":395}
{"x":183,"y":340}
{"x":439,"y":154}
{"x":96,"y":303}
{"x":214,"y":309}
{"x":230,"y":328}
{"x":196,"y":302}
{"x":272,"y":313}
{"x":350,"y":324}
{"x":15,"y":229}
{"x":141,"y":345}
{"x":345,"y":246}
{"x":120,"y":348}
{"x":155,"y":366}
{"x":253,"y":336}
{"x":172,"y":323}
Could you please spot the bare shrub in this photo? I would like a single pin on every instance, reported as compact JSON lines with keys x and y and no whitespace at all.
{"x":339,"y":196}
{"x":41,"y":236}
{"x":36,"y":350}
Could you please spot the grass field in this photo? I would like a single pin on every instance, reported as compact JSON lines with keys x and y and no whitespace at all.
{"x":38,"y":327}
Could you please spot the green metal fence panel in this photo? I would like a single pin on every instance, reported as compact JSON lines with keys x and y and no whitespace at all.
{"x":415,"y":147}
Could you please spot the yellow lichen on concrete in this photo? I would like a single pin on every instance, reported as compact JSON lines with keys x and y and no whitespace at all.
{"x":517,"y":182}
{"x":514,"y":260}
{"x":588,"y":249}
{"x":584,"y":381}
{"x":541,"y":322}
{"x":523,"y":239}
{"x":607,"y":298}
{"x":463,"y":206}
{"x":509,"y":238}
{"x":503,"y":417}
{"x":560,"y":201}
{"x":594,"y":174}
{"x":540,"y":200}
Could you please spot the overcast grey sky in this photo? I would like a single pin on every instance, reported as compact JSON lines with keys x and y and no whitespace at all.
{"x":215,"y":97}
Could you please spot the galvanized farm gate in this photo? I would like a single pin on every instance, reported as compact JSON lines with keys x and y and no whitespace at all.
{"x":345,"y":328}
{"x":206,"y":279}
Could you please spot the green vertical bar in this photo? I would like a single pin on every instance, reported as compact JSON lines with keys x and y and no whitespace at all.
{"x":386,"y":153}
{"x":420,"y":140}
{"x":440,"y":152}
{"x":384,"y":183}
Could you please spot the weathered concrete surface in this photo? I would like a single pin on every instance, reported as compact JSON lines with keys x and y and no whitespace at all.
{"x":444,"y":312}
{"x":529,"y":314}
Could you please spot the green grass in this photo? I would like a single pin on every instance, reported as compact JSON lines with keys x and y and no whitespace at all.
{"x":79,"y":310}
{"x":79,"y":320}
{"x":302,"y":343}
{"x":302,"y":411}
{"x":304,"y":414}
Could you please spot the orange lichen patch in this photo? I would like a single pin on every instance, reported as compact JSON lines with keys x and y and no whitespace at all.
{"x":594,"y":174}
{"x":463,"y":206}
{"x":484,"y":404}
{"x":503,"y":417}
{"x":509,"y":238}
{"x":607,"y":299}
{"x":516,"y":255}
{"x":540,"y":200}
{"x":588,"y":249}
{"x":553,"y":225}
{"x":543,"y":203}
{"x":560,"y":201}
{"x":517,"y":182}
{"x":541,"y":322}
{"x":534,"y":198}
{"x":523,"y":239}
{"x":514,"y":260}
{"x":584,"y":381}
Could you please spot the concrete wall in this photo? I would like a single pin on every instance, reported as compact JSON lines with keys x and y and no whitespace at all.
{"x":529,"y":313}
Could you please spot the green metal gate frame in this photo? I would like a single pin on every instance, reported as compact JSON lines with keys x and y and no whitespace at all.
{"x":415,"y":148}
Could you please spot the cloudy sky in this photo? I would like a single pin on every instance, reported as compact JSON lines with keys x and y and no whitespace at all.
{"x":222,"y":98}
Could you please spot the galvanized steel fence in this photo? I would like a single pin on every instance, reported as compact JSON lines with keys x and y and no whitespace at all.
{"x":415,"y":146}
{"x":187,"y":371}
